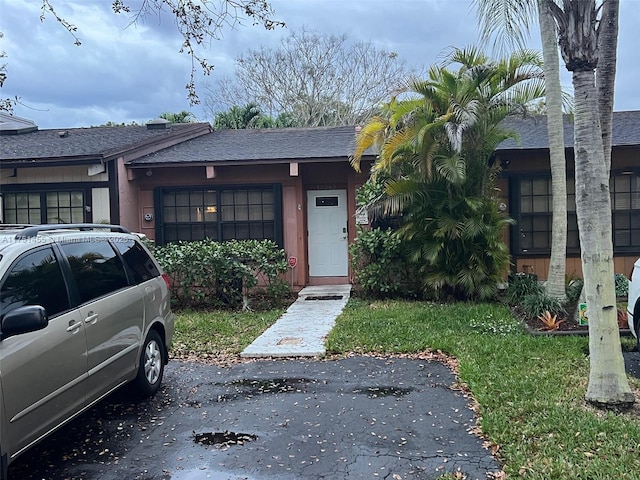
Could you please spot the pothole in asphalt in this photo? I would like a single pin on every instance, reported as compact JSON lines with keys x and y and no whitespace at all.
{"x":223,"y":439}
{"x":247,"y":388}
{"x":375,"y":392}
{"x":324,"y":297}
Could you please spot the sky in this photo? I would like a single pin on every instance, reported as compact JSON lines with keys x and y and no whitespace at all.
{"x":133,"y":73}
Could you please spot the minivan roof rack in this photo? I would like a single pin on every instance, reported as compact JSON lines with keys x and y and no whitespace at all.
{"x":30,"y":232}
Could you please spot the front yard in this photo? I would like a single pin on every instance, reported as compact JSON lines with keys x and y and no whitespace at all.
{"x":529,"y":389}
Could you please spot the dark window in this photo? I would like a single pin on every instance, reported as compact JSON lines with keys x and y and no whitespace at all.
{"x":326,"y":201}
{"x":35,"y":279}
{"x":625,"y":205}
{"x":226,"y":213}
{"x":140,"y":266}
{"x":96,"y":268}
{"x":535,"y":216}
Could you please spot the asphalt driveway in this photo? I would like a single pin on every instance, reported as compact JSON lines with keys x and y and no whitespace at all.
{"x":354,"y":418}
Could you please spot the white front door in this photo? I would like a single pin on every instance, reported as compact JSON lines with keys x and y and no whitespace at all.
{"x":327,"y":221}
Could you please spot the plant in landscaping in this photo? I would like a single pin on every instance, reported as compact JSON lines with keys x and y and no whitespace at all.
{"x":622,"y":285}
{"x":435,"y":163}
{"x":550,"y":322}
{"x":535,"y":304}
{"x":521,"y":285}
{"x":380,"y":264}
{"x":209,"y":274}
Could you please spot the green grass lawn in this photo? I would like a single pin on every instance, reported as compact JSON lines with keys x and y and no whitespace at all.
{"x":530,"y":389}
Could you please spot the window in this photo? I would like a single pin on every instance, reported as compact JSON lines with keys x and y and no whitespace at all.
{"x":95,"y":267}
{"x":535,"y":214}
{"x":242,"y":213}
{"x":44,"y":207}
{"x":21,"y":208}
{"x":35,"y":279}
{"x":139,"y":265}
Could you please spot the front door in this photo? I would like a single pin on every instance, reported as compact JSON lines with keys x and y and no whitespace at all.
{"x":327,"y":223}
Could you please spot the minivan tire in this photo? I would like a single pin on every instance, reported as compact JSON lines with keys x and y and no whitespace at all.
{"x":151,"y":366}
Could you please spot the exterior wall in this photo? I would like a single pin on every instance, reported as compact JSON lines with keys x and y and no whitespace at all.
{"x":70,"y":174}
{"x":128,"y":198}
{"x":137,"y":196}
{"x":81,"y":177}
{"x":527,"y":163}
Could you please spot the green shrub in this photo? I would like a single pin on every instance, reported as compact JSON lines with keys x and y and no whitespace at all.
{"x":380,"y":265}
{"x":521,"y":285}
{"x":573,"y":290}
{"x":208,"y":274}
{"x":622,"y":285}
{"x":535,"y":304}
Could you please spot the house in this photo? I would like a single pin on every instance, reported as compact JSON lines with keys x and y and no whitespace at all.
{"x":186,"y":182}
{"x":294,"y":186}
{"x":76,"y":174}
{"x":525,"y":185}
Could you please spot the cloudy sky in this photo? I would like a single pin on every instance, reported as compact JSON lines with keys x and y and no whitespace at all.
{"x":125,"y":73}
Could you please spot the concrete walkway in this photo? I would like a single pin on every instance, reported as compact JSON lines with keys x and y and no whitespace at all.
{"x":303,"y":328}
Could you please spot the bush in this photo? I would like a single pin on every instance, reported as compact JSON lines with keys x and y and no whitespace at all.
{"x":380,"y":265}
{"x":535,"y":304}
{"x":520,"y":286}
{"x":208,"y":274}
{"x":622,"y":285}
{"x":573,"y":290}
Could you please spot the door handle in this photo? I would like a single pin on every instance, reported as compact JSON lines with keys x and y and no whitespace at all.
{"x":73,"y":326}
{"x":91,"y":318}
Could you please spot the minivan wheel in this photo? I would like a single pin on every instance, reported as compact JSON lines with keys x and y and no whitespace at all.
{"x":151,"y":366}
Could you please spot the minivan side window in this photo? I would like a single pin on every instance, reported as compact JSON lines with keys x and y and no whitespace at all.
{"x":96,"y":268}
{"x":35,"y":279}
{"x":141,"y":267}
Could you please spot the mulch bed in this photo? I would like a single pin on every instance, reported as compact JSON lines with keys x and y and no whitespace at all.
{"x":567,"y":327}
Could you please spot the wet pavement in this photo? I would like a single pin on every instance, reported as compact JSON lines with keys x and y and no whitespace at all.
{"x":353,"y":418}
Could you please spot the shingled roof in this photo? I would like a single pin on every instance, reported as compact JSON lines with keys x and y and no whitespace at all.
{"x":86,"y":144}
{"x":269,"y":145}
{"x":532,"y":131}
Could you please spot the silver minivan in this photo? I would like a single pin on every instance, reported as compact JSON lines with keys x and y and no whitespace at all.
{"x":84,"y":309}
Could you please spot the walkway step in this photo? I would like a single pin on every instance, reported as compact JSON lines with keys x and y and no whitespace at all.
{"x":303,"y":328}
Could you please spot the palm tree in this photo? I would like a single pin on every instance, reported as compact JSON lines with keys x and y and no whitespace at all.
{"x":510,"y":23}
{"x":577,"y":23}
{"x":435,"y":145}
{"x":179,"y":117}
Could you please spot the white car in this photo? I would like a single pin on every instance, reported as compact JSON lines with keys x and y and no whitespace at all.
{"x":633,"y":303}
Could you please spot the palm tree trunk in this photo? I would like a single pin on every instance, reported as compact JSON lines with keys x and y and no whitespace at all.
{"x":608,"y":384}
{"x":606,"y":73}
{"x":555,"y":286}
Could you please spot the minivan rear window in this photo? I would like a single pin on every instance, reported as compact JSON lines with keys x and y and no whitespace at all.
{"x":140,"y":265}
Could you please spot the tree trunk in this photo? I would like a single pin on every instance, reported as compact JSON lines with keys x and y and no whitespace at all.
{"x":555,"y":286}
{"x":606,"y":72}
{"x":608,"y":384}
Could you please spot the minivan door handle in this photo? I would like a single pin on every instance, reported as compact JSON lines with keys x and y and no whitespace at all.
{"x":91,"y":318}
{"x":74,"y":326}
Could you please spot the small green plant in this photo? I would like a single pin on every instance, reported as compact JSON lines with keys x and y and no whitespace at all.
{"x":550,"y":321}
{"x":535,"y":304}
{"x":622,"y":285}
{"x":521,"y":285}
{"x":573,"y":289}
